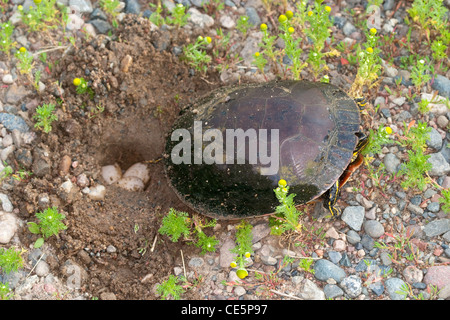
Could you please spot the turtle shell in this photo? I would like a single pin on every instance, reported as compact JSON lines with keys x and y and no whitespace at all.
{"x":316,"y":125}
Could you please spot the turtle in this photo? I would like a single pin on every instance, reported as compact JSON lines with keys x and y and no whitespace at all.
{"x":211,"y":147}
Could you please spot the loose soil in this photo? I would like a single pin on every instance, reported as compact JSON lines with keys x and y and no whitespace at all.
{"x":140,"y":106}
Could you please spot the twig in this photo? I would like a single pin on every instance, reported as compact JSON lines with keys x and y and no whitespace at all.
{"x":50,"y":49}
{"x":154,"y":243}
{"x":285,"y":295}
{"x":40,"y":258}
{"x":184,"y":267}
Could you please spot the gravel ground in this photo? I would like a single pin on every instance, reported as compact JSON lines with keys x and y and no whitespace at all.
{"x":347,"y":263}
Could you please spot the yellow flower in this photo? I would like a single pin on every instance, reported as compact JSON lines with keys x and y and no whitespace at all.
{"x":289,"y":14}
{"x":282,"y":18}
{"x":247,"y":254}
{"x":263,"y":27}
{"x":241,"y":273}
{"x":20,"y":7}
{"x":208,"y":39}
{"x":388,"y":130}
{"x":284,"y":190}
{"x":291,"y":30}
{"x":373,"y":31}
{"x":369,"y":50}
{"x":328,"y":9}
{"x":233,"y":264}
{"x":23,"y":49}
{"x":310,"y":13}
{"x":200,"y":38}
{"x":257,"y":54}
{"x":37,"y":1}
{"x":282,"y":183}
{"x":76,"y":82}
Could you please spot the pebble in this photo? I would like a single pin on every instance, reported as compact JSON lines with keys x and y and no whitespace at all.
{"x":353,"y":216}
{"x":8,"y":227}
{"x":13,"y":122}
{"x":16,"y":93}
{"x":352,"y":286}
{"x":438,"y":107}
{"x":7,"y":79}
{"x":435,"y":139}
{"x":132,"y":6}
{"x":253,"y":17}
{"x":74,"y":22}
{"x":353,"y":237}
{"x":437,"y":227}
{"x":84,"y":6}
{"x":239,"y":291}
{"x":373,"y":228}
{"x":131,"y":183}
{"x":339,"y":245}
{"x":440,"y":166}
{"x":325,"y":269}
{"x":199,"y":19}
{"x":332,"y":291}
{"x":438,"y":276}
{"x":42,"y":269}
{"x":227,"y":22}
{"x":348,"y":28}
{"x":393,"y":286}
{"x":125,"y":63}
{"x":391,"y":163}
{"x":311,"y":291}
{"x":196,"y":262}
{"x":442,"y":85}
{"x":412,"y":274}
{"x":64,"y":165}
{"x":377,"y":288}
{"x":102,"y":27}
{"x":6,"y":203}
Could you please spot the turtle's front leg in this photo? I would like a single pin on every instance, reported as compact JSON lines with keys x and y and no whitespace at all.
{"x":331,"y":199}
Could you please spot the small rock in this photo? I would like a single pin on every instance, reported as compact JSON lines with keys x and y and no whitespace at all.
{"x":74,"y":22}
{"x":64,"y":165}
{"x":353,"y":216}
{"x":84,"y":257}
{"x":111,"y":249}
{"x":332,"y":233}
{"x":196,"y":262}
{"x":442,"y":85}
{"x":332,"y":291}
{"x":42,"y":269}
{"x":373,"y":228}
{"x":239,"y":291}
{"x":139,"y":170}
{"x":125,"y":64}
{"x":437,"y":227}
{"x":311,"y":291}
{"x":438,"y":276}
{"x":260,"y":231}
{"x":6,"y":203}
{"x":435,"y":140}
{"x":84,"y":6}
{"x":439,"y":165}
{"x":107,"y":296}
{"x":442,"y":122}
{"x":412,"y":274}
{"x":199,"y":19}
{"x":132,"y":6}
{"x":348,"y":28}
{"x":438,"y":106}
{"x":339,"y":245}
{"x":8,"y":227}
{"x":102,"y":27}
{"x":16,"y":93}
{"x":393,"y":286}
{"x":227,"y":22}
{"x":253,"y":17}
{"x":13,"y":122}
{"x":353,"y":237}
{"x":325,"y":269}
{"x":7,"y":79}
{"x":82,"y":180}
{"x":352,"y":285}
{"x":391,"y":163}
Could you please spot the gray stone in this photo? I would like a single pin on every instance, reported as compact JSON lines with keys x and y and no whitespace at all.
{"x":393,"y":287}
{"x":353,"y":237}
{"x":348,"y":28}
{"x":226,"y":257}
{"x":403,"y":116}
{"x":433,"y":207}
{"x":260,"y":231}
{"x":334,"y":256}
{"x":385,"y":258}
{"x":439,"y":166}
{"x":325,"y":269}
{"x":6,"y":203}
{"x":435,"y":140}
{"x":85,"y":6}
{"x":391,"y":163}
{"x":373,"y":228}
{"x":132,"y":6}
{"x":442,"y":85}
{"x":8,"y":227}
{"x":377,"y":288}
{"x":253,"y":17}
{"x":437,"y":227}
{"x":196,"y":262}
{"x":353,"y":216}
{"x":101,"y":26}
{"x":42,"y":269}
{"x":388,"y":4}
{"x":15,"y":94}
{"x":13,"y":122}
{"x":332,"y":291}
{"x":311,"y":291}
{"x":352,"y":286}
{"x":199,"y":19}
{"x":414,"y":209}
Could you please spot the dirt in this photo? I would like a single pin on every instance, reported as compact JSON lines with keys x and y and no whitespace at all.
{"x":140,"y":106}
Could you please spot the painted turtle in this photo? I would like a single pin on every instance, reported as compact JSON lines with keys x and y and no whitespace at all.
{"x":218,"y":150}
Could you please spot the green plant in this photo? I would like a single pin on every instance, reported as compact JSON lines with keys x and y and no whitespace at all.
{"x":439,"y":50}
{"x":6,"y":43}
{"x":445,"y":200}
{"x":305,"y":264}
{"x":377,"y":140}
{"x":195,"y":55}
{"x":45,"y":116}
{"x":156,"y":16}
{"x":10,"y":259}
{"x":110,"y":7}
{"x":429,"y":15}
{"x":243,"y":25}
{"x":243,"y":248}
{"x":178,"y":16}
{"x":369,"y":67}
{"x":177,"y":224}
{"x":44,"y":16}
{"x":50,"y":223}
{"x":170,"y":287}
{"x":287,"y":216}
{"x":5,"y":291}
{"x":25,"y":61}
{"x":420,"y":73}
{"x":83,"y":87}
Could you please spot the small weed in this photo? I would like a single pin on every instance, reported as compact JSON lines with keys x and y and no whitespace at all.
{"x":10,"y":260}
{"x":50,"y":223}
{"x":83,"y":87}
{"x":156,"y":16}
{"x":6,"y":43}
{"x":420,"y":73}
{"x":195,"y":55}
{"x":42,"y":17}
{"x":177,"y":224}
{"x":45,"y":116}
{"x":377,"y":140}
{"x":170,"y":288}
{"x":178,"y":16}
{"x":25,"y":61}
{"x":305,"y":264}
{"x":243,"y":248}
{"x":5,"y":291}
{"x":110,"y":7}
{"x":287,"y":215}
{"x":428,"y":15}
{"x":243,"y":25}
